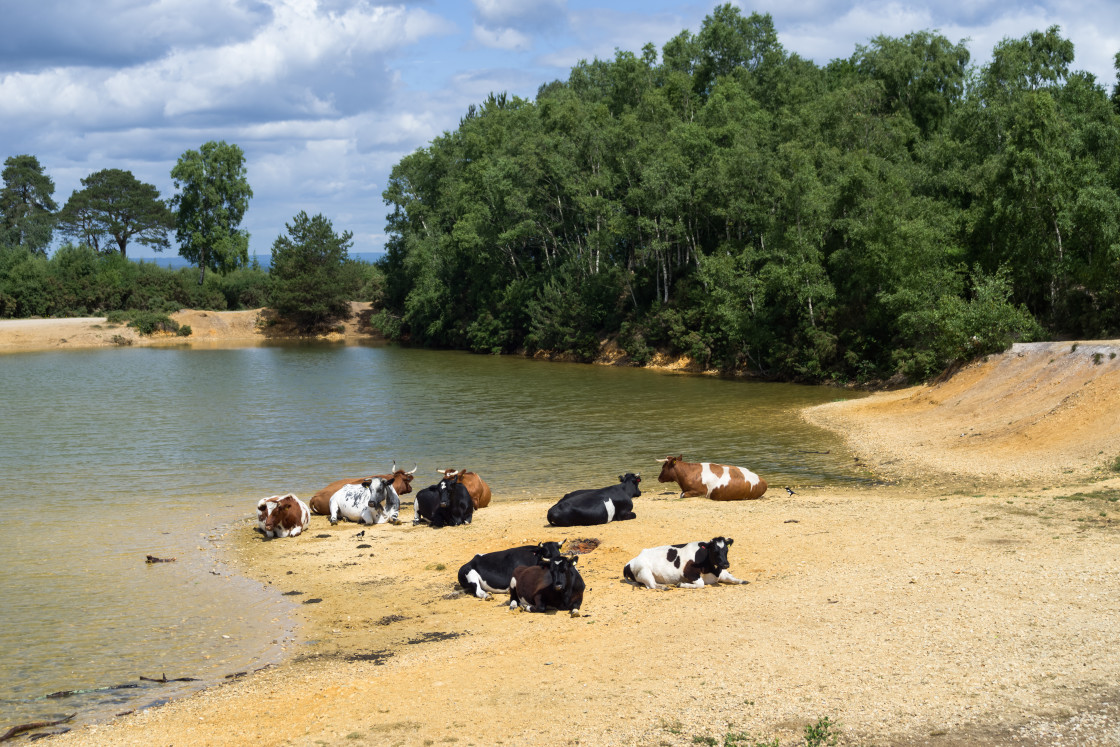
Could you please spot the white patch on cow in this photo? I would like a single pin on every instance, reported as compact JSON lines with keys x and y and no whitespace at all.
{"x":609,"y":505}
{"x":749,"y":476}
{"x":711,"y":480}
{"x":480,"y":587}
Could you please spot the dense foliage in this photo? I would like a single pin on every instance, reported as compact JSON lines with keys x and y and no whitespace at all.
{"x":308,"y":279}
{"x":213,"y":196}
{"x":115,"y":206}
{"x":894,"y":212}
{"x":26,"y":205}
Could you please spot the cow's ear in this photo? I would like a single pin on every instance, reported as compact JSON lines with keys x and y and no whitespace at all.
{"x":730,"y":542}
{"x":622,"y":478}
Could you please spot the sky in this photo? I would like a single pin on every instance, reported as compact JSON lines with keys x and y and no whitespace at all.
{"x":325,"y":96}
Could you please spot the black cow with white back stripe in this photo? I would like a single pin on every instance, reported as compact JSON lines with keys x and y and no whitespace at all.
{"x":582,"y":508}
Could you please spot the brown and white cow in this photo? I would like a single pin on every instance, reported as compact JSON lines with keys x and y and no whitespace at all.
{"x":479,"y":490}
{"x":720,"y":482}
{"x":321,"y":501}
{"x":284,"y":516}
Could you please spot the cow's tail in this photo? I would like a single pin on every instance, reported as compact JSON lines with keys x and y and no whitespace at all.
{"x":627,"y":573}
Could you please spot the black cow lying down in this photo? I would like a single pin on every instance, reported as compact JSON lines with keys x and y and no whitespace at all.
{"x":446,"y":504}
{"x":491,"y":573}
{"x":582,"y":508}
{"x":552,"y":583}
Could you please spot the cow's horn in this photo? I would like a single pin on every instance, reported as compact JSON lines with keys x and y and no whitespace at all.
{"x":394,"y":469}
{"x":413,"y":472}
{"x":440,"y":470}
{"x":663,"y":460}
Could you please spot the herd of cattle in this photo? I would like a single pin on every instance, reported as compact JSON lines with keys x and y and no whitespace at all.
{"x":536,"y":577}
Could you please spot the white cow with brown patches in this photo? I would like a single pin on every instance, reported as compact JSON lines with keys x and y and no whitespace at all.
{"x":720,"y":482}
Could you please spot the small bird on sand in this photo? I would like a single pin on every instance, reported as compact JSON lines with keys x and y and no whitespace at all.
{"x":361,"y":533}
{"x":790,"y":490}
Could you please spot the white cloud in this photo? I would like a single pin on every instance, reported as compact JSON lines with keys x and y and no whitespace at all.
{"x":504,"y":38}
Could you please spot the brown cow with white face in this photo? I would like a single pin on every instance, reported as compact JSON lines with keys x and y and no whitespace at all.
{"x":479,"y":490}
{"x":402,"y":483}
{"x":720,"y":482}
{"x":283,"y":516}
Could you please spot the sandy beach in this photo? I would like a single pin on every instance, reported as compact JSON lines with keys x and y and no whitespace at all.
{"x":970,"y":598}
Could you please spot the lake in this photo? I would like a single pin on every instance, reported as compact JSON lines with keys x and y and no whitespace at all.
{"x":111,"y":455}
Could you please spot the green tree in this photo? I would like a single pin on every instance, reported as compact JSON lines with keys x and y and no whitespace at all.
{"x":307,"y":271}
{"x":214,"y":195}
{"x":115,"y":204}
{"x":26,"y":204}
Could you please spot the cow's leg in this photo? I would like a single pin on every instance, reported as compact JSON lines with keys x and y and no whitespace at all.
{"x":697,"y":584}
{"x":725,"y":577}
{"x":475,"y":580}
{"x":393,"y":507}
{"x":646,"y":578}
{"x":693,"y":493}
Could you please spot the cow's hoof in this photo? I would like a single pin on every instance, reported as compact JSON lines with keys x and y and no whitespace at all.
{"x":575,"y":613}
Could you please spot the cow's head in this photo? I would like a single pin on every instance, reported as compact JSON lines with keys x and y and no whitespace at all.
{"x":562,"y":570}
{"x":379,"y":487}
{"x":446,"y":487}
{"x":630,"y":481}
{"x":669,"y":468}
{"x":716,"y":555}
{"x":546,"y":551}
{"x":283,"y":506}
{"x":402,"y":480}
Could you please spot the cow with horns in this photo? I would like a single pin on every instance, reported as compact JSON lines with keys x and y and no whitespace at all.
{"x":446,"y":504}
{"x":551,"y":583}
{"x":491,"y":573}
{"x":373,"y":501}
{"x":475,"y":485}
{"x":320,"y":503}
{"x":720,"y":482}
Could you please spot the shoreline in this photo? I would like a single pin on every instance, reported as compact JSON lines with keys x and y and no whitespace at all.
{"x":969,"y":600}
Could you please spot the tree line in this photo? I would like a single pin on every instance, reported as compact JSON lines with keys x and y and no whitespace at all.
{"x":311,"y":278}
{"x":887,"y":214}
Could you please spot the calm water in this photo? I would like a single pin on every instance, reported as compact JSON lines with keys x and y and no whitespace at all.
{"x":107,"y":456}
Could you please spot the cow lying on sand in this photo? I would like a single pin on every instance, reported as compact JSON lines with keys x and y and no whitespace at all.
{"x":720,"y":482}
{"x":690,"y":566}
{"x":552,"y":583}
{"x":476,"y":486}
{"x":288,"y":518}
{"x":597,"y":505}
{"x":445,"y":504}
{"x":491,"y":573}
{"x":320,"y":503}
{"x":374,"y":501}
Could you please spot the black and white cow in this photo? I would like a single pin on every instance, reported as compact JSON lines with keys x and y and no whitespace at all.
{"x":582,"y":508}
{"x":488,"y":574}
{"x":690,"y":566}
{"x":446,"y":504}
{"x":551,"y":583}
{"x":374,"y":501}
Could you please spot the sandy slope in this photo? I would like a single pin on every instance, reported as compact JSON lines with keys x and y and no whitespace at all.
{"x":972,"y":601}
{"x":209,"y":329}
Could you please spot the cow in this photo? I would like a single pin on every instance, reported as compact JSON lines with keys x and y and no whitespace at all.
{"x":476,"y":486}
{"x":321,"y":502}
{"x":373,"y":501}
{"x":551,"y":583}
{"x":720,"y":482}
{"x":491,"y":573}
{"x":265,"y":506}
{"x":445,"y":504}
{"x":690,"y":566}
{"x":288,"y":518}
{"x":597,"y":505}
